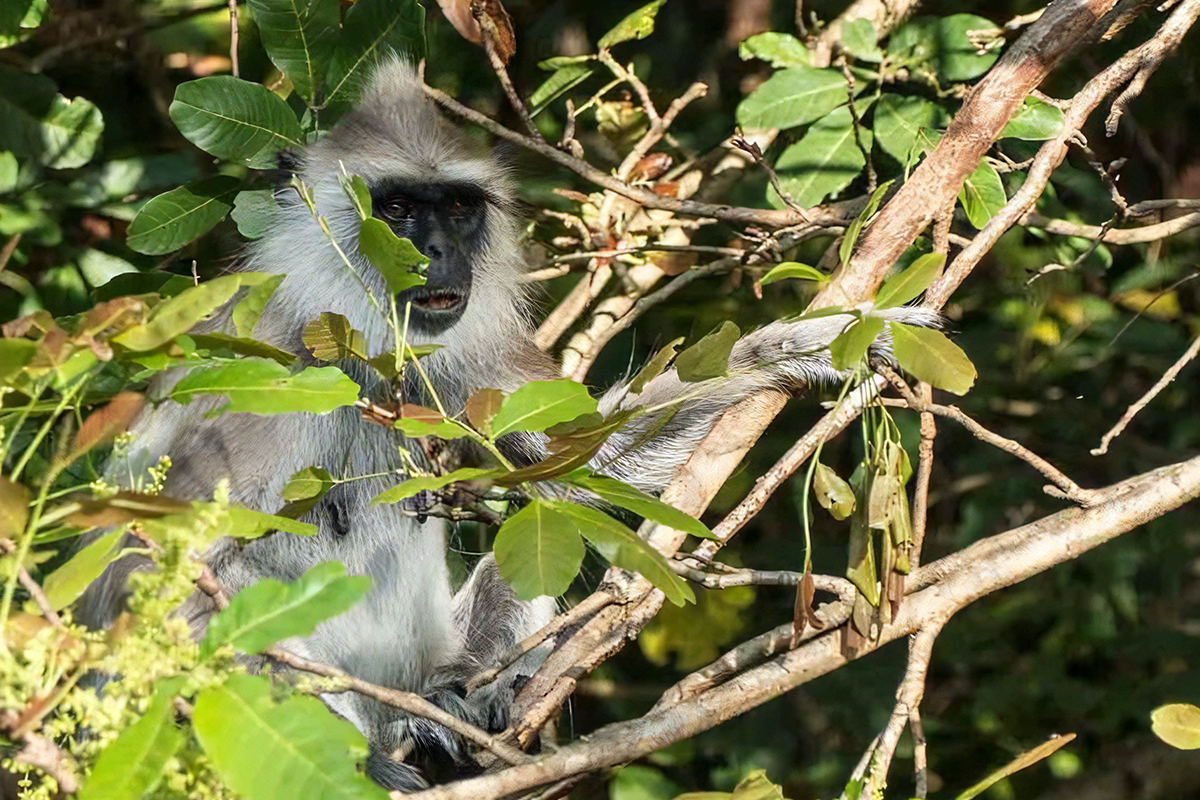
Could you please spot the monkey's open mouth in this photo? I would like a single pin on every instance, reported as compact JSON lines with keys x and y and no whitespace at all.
{"x":437,"y":299}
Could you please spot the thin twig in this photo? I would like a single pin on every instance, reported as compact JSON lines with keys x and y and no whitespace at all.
{"x":490,"y":36}
{"x":7,"y":546}
{"x":10,"y":247}
{"x":233,"y":38}
{"x":1145,"y":399}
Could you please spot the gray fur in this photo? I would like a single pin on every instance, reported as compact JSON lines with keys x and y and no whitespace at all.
{"x":412,"y":632}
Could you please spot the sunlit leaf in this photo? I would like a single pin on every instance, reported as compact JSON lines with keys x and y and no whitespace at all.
{"x":909,"y":284}
{"x":791,"y":97}
{"x":859,"y":40}
{"x":632,"y":499}
{"x":65,"y":584}
{"x":833,"y":494}
{"x":396,"y":259}
{"x":14,"y":355}
{"x":265,"y":750}
{"x":246,"y":523}
{"x":825,"y":160}
{"x":637,"y":25}
{"x":14,"y":508}
{"x":846,"y":248}
{"x":982,"y":194}
{"x":427,"y":483}
{"x":420,"y":421}
{"x":1177,"y":724}
{"x":249,"y":311}
{"x":235,"y":119}
{"x":133,"y":763}
{"x":178,"y":314}
{"x":539,"y":404}
{"x":777,"y":49}
{"x":941,"y":44}
{"x":481,"y":408}
{"x":263,"y":386}
{"x":899,"y":119}
{"x":182,"y":215}
{"x":793,"y":269}
{"x":563,"y":80}
{"x":539,"y":551}
{"x":1035,"y":121}
{"x":709,"y":357}
{"x":851,"y":345}
{"x":931,"y":357}
{"x":269,"y":611}
{"x":299,"y":36}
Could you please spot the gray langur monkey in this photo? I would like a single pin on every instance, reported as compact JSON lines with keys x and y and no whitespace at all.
{"x":436,"y":186}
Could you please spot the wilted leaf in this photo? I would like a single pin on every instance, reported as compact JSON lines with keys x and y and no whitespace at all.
{"x":103,"y":424}
{"x":330,"y":338}
{"x":262,"y":386}
{"x":637,"y":25}
{"x":824,"y":161}
{"x":14,"y":508}
{"x":249,"y":311}
{"x":265,"y":750}
{"x":396,"y":259}
{"x":633,"y":499}
{"x":709,"y":357}
{"x":133,"y":763}
{"x":481,"y":408}
{"x":269,"y":611}
{"x":1026,"y":759}
{"x":777,"y":49}
{"x":909,"y":284}
{"x":791,"y":97}
{"x":1177,"y":724}
{"x":931,"y":357}
{"x":540,"y":404}
{"x":539,"y":551}
{"x":430,"y":483}
{"x":793,"y":269}
{"x":420,"y":421}
{"x":851,"y":345}
{"x":299,"y":36}
{"x":655,"y":366}
{"x":982,"y":194}
{"x":182,"y":215}
{"x":125,"y":507}
{"x":235,"y":119}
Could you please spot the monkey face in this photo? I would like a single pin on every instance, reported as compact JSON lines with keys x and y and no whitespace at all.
{"x":448,"y":223}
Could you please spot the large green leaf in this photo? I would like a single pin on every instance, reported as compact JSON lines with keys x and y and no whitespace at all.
{"x":263,"y":386}
{"x":982,"y":194}
{"x":37,"y":122}
{"x":299,"y":36}
{"x":851,"y":345}
{"x":270,"y":611}
{"x":909,"y":284}
{"x":396,"y":259}
{"x":372,"y":30}
{"x":14,"y":355}
{"x":19,"y":19}
{"x":182,"y":215}
{"x":427,"y":483}
{"x":235,"y":119}
{"x":539,"y":404}
{"x":178,"y":314}
{"x":900,"y":119}
{"x":633,"y":499}
{"x":933,"y":358}
{"x":941,"y":44}
{"x":249,"y":311}
{"x":265,"y":750}
{"x":791,"y":97}
{"x":637,"y":25}
{"x":65,"y":584}
{"x":1035,"y":121}
{"x":709,"y":357}
{"x":538,"y":550}
{"x":253,"y":212}
{"x":777,"y":49}
{"x":563,"y":80}
{"x":824,"y":161}
{"x":135,"y":761}
{"x":622,"y":547}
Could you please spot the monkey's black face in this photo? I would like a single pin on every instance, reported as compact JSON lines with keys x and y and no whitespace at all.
{"x":448,"y":223}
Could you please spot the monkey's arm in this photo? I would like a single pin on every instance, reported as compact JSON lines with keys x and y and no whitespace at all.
{"x":790,"y":355}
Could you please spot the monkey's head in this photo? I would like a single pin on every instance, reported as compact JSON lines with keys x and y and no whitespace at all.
{"x":432,"y":184}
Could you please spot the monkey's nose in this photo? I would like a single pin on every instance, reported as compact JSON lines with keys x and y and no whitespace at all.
{"x":433,"y":251}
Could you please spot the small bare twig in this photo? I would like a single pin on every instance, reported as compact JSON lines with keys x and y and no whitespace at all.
{"x":7,"y":546}
{"x":9,"y":248}
{"x":491,"y":35}
{"x":1145,"y":399}
{"x":233,"y":38}
{"x":920,"y":507}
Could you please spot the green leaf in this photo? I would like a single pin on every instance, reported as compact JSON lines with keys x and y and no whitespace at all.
{"x":178,"y":314}
{"x":430,"y":483}
{"x":558,"y":62}
{"x":982,"y":195}
{"x":859,"y":40}
{"x":330,"y":338}
{"x":909,"y":284}
{"x":218,"y":342}
{"x":633,"y":499}
{"x":14,"y":508}
{"x":780,"y":50}
{"x":850,"y":346}
{"x":793,"y":269}
{"x":396,"y":259}
{"x":824,"y":161}
{"x":265,"y":750}
{"x":134,"y":762}
{"x":299,"y":36}
{"x":71,"y":132}
{"x":563,"y":80}
{"x":65,"y":584}
{"x":235,"y":119}
{"x":539,"y":551}
{"x":182,"y":215}
{"x":246,"y":523}
{"x":709,"y":357}
{"x":373,"y":30}
{"x":899,"y":120}
{"x":637,"y":25}
{"x":360,"y":194}
{"x":655,"y":366}
{"x":38,"y":123}
{"x":263,"y":386}
{"x":249,"y":311}
{"x":269,"y":611}
{"x":846,"y":248}
{"x":622,"y":547}
{"x":19,"y":18}
{"x":539,"y":404}
{"x":253,"y":212}
{"x":791,"y":97}
{"x":9,"y":171}
{"x":420,"y":421}
{"x":933,"y":358}
{"x":1177,"y":724}
{"x":14,"y":355}
{"x":308,"y":483}
{"x":942,"y":45}
{"x":833,"y":494}
{"x":1035,"y":121}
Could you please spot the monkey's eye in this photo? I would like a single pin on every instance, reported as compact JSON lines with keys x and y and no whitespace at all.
{"x":458,"y":209}
{"x":397,"y":208}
